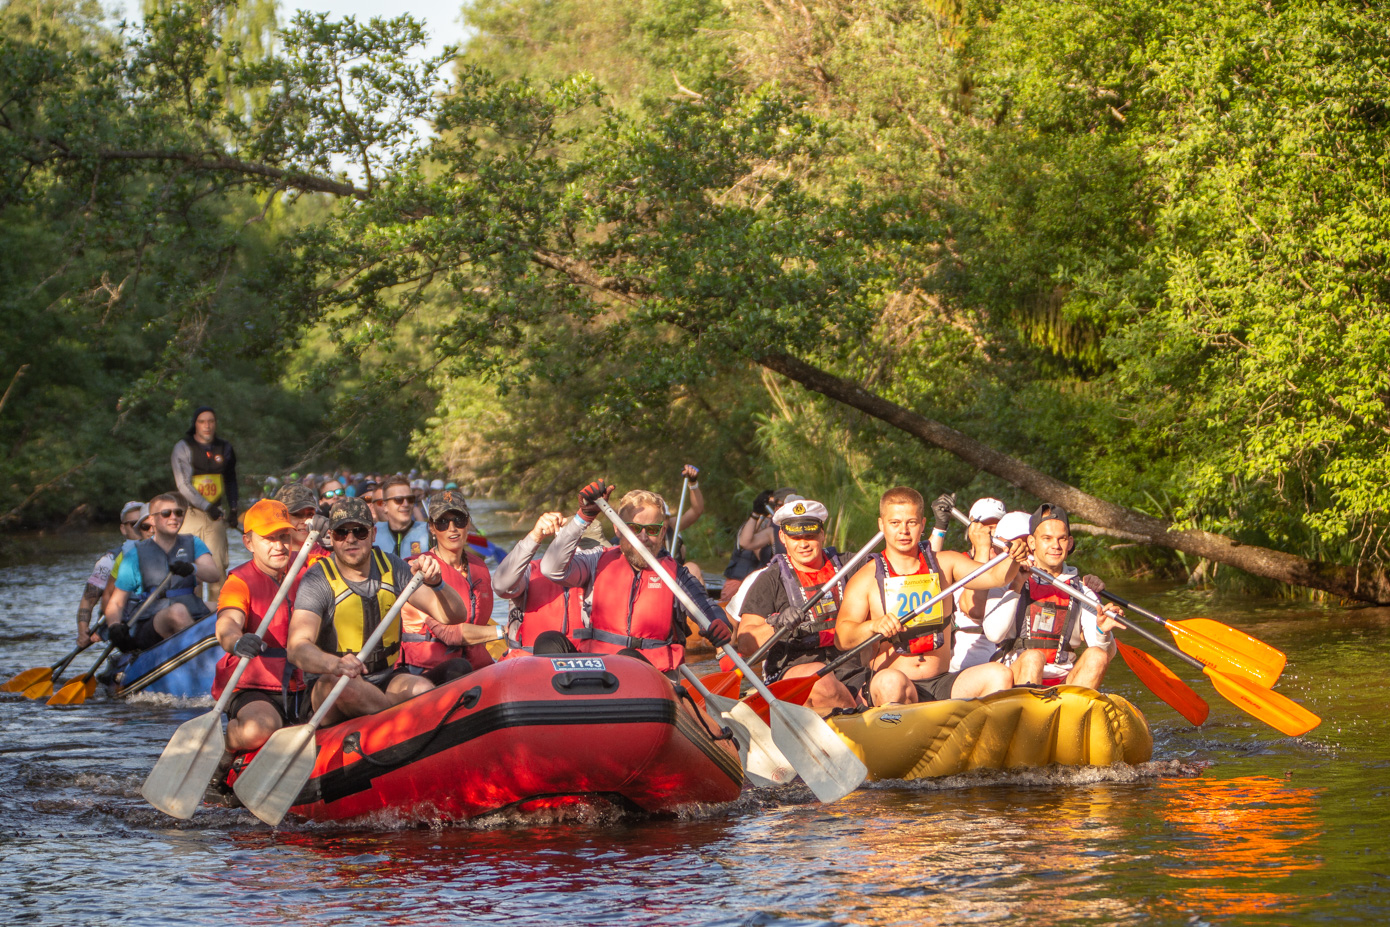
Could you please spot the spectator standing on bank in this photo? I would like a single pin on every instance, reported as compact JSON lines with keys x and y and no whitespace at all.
{"x":205,"y":474}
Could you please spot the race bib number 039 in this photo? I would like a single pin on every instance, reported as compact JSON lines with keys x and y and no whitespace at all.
{"x":568,"y":664}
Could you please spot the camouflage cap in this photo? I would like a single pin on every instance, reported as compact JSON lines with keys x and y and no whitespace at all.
{"x":350,"y":510}
{"x":446,"y":500}
{"x":297,"y":497}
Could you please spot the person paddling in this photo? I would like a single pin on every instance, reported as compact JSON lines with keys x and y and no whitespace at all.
{"x":431,"y":649}
{"x":301,"y":504}
{"x":913,"y":665}
{"x":970,"y":647}
{"x":270,"y":693}
{"x":146,"y":566}
{"x":338,"y":605}
{"x":204,"y":468}
{"x":401,"y":533}
{"x":775,"y":601}
{"x":627,"y":608}
{"x":544,"y":614}
{"x":135,"y":526}
{"x":1040,"y":627}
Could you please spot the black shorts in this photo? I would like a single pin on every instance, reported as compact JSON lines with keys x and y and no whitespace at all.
{"x":851,"y":675}
{"x":299,"y":704}
{"x":937,"y":688}
{"x":145,"y":636}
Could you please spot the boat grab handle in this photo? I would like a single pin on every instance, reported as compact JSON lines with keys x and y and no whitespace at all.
{"x":574,"y":683}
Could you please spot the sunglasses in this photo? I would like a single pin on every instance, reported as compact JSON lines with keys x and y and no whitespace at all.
{"x":443,"y":522}
{"x":333,"y":494}
{"x":358,"y":531}
{"x":131,"y":524}
{"x":168,"y":513}
{"x":651,"y":531}
{"x":401,"y":500}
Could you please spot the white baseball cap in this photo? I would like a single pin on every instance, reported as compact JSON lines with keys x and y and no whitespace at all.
{"x":801,"y":516}
{"x":987,"y":508}
{"x":1012,"y":526}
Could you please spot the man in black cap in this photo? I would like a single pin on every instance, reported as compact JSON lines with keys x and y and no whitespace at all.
{"x":341,"y":600}
{"x":205,"y":474}
{"x":1040,"y":627}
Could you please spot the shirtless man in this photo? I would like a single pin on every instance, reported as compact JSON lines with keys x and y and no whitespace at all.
{"x":913,"y":664}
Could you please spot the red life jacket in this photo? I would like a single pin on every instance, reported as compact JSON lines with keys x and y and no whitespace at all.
{"x":271,"y":670}
{"x":928,"y":632}
{"x":546,"y":606}
{"x":422,"y":649}
{"x":1043,"y":621}
{"x":632,"y":608}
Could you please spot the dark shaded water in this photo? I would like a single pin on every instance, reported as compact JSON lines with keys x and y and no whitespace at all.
{"x":1231,"y":824}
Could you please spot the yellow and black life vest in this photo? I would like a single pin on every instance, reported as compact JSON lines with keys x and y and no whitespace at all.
{"x":355,"y":617}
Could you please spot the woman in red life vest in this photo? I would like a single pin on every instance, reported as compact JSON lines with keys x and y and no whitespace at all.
{"x":628,"y":609}
{"x":270,"y":693}
{"x":538,"y":604}
{"x":913,"y":664}
{"x":428,"y":648}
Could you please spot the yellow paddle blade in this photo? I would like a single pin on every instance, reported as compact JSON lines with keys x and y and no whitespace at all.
{"x":26,"y":679}
{"x":1231,"y":651}
{"x":75,"y":692}
{"x":41,"y":689}
{"x":1281,"y":713}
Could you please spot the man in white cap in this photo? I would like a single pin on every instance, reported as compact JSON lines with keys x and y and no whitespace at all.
{"x":135,"y":526}
{"x":1040,"y":627}
{"x":776,"y":601}
{"x":971,"y":647}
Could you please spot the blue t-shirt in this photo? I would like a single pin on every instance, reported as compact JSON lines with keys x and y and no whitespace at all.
{"x":128,"y":572}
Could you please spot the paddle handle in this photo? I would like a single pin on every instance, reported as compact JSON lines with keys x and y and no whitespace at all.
{"x":695,"y":681}
{"x":680,"y":510}
{"x":686,"y":602}
{"x":925,"y":606}
{"x":849,"y":566}
{"x":275,"y":603}
{"x":367,"y":649}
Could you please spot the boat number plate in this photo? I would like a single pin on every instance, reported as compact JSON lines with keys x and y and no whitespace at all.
{"x":569,"y":664}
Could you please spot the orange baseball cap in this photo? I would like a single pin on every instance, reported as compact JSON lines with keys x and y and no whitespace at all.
{"x":267,"y":517}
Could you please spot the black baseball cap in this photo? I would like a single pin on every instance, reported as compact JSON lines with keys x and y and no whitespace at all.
{"x":1048,"y":511}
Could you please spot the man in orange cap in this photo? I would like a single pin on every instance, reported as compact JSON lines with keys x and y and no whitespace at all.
{"x":270,"y":693}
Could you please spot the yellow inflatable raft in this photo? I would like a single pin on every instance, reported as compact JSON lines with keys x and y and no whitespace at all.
{"x":1066,"y":725}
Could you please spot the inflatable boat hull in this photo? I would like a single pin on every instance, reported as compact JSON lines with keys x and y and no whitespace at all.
{"x":181,"y":666}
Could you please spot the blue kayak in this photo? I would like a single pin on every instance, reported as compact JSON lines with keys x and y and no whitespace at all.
{"x":181,"y":666}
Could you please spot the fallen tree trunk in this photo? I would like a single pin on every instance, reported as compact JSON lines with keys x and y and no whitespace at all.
{"x":1349,"y":582}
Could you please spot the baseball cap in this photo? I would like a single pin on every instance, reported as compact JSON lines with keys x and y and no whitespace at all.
{"x":987,"y":508}
{"x":297,"y":497}
{"x":446,"y":500}
{"x":267,"y":517}
{"x":800,"y":517}
{"x":1047,"y":512}
{"x":436,"y":484}
{"x":1013,"y":526}
{"x":350,"y":510}
{"x":130,"y":507}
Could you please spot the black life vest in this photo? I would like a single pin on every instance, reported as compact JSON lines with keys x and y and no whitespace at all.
{"x":209,"y":463}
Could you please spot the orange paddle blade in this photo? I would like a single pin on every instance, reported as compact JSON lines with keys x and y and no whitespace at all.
{"x":75,"y":692}
{"x":1283,"y":714}
{"x":41,"y":689}
{"x":1229,"y":650}
{"x":725,"y":685}
{"x":796,"y":691}
{"x":725,"y":665}
{"x":1164,"y":683}
{"x":26,"y":679}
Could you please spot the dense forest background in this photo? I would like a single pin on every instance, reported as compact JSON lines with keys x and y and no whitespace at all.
{"x":1140,"y":248}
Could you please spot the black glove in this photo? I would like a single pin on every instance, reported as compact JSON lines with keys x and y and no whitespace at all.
{"x":181,"y":568}
{"x":763,"y":502}
{"x":787,"y":619}
{"x":215,"y":512}
{"x":589,"y":496}
{"x":119,"y":634}
{"x":248,"y":645}
{"x":718,"y":633}
{"x":941,"y":510}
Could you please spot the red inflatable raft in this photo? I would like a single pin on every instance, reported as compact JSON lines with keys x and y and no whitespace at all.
{"x":532,"y":734}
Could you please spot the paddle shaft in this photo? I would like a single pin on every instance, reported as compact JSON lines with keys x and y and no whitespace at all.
{"x":686,"y":602}
{"x":925,"y":606}
{"x":680,"y":510}
{"x":153,"y":597}
{"x":275,"y":603}
{"x":367,"y":648}
{"x":850,"y":565}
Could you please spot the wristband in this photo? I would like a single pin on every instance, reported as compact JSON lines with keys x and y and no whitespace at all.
{"x":938,"y":532}
{"x":501,"y":633}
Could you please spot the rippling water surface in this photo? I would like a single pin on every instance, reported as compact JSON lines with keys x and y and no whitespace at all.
{"x":1230,"y":824}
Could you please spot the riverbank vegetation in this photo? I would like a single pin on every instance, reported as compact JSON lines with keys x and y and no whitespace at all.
{"x":1126,"y":256}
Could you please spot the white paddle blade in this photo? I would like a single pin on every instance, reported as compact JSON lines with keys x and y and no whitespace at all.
{"x":817,"y":752}
{"x":765,"y":764}
{"x":270,"y":785}
{"x":180,"y":777}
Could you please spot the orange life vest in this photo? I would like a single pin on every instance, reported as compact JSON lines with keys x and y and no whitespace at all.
{"x":545,"y":606}
{"x":631,"y":608}
{"x":270,"y":670}
{"x":420,"y":648}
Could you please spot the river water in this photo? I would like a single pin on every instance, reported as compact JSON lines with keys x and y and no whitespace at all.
{"x":1230,"y":824}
